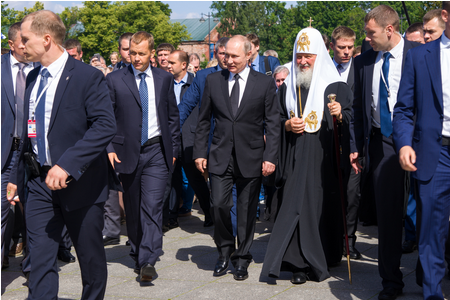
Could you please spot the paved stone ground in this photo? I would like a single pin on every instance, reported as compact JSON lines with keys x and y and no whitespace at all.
{"x":185,"y":272}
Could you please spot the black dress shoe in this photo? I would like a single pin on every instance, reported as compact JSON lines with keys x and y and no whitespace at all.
{"x":148,"y":273}
{"x":221,"y":267}
{"x":409,"y":246}
{"x":389,"y":293}
{"x":352,"y":251}
{"x":173,"y":223}
{"x":66,"y":256}
{"x":107,"y":240}
{"x":240,"y":273}
{"x":299,"y":278}
{"x":208,"y":223}
{"x":128,"y":243}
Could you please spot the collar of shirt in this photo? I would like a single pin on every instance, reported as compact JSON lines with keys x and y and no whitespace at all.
{"x":219,"y":68}
{"x":57,"y":65}
{"x":344,"y":65}
{"x":243,"y":74}
{"x":255,"y":63}
{"x":148,"y":72}
{"x":445,"y":41}
{"x":182,"y":81}
{"x":397,"y":51}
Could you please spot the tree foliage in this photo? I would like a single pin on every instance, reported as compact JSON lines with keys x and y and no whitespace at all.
{"x":11,"y":16}
{"x":105,"y":21}
{"x":278,"y":26}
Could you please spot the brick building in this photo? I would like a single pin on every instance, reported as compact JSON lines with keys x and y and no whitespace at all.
{"x":199,"y":33}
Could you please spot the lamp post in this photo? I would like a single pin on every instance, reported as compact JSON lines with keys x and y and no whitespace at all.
{"x":216,"y":20}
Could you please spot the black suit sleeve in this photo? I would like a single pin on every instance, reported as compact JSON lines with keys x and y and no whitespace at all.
{"x":174,"y":119}
{"x":272,"y":121}
{"x":204,"y":123}
{"x":356,"y":124}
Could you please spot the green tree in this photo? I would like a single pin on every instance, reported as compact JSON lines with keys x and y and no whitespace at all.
{"x":262,"y":18}
{"x":70,"y":16}
{"x":105,"y":21}
{"x":11,"y":16}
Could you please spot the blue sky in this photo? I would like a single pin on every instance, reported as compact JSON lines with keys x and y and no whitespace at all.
{"x":180,"y":9}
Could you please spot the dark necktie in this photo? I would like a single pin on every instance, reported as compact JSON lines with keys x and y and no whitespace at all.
{"x":339,"y":68}
{"x":143,"y":94}
{"x":40,"y":117}
{"x":20,"y":95}
{"x":385,"y":114}
{"x":234,"y":98}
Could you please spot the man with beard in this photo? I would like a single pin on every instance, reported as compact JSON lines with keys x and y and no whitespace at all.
{"x":301,"y":242}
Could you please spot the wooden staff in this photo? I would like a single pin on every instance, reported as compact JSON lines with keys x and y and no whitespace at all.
{"x":332,"y":98}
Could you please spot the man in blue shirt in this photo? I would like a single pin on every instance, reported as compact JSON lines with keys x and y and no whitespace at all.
{"x":258,"y":63}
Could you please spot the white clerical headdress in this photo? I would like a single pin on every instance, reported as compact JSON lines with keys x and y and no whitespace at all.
{"x":309,"y":40}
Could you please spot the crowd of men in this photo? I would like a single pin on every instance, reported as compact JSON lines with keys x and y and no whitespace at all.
{"x":365,"y":134}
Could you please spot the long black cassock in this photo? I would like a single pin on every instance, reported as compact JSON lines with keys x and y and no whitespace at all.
{"x":309,"y":226}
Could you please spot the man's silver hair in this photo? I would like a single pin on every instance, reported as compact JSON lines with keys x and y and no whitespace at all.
{"x":280,"y":69}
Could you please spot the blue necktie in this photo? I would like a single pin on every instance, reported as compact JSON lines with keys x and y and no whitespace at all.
{"x":385,"y":114}
{"x":143,"y":94}
{"x":339,"y":68}
{"x":40,"y":117}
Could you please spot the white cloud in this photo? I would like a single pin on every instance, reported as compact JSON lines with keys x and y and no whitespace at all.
{"x":19,"y":5}
{"x":193,"y":15}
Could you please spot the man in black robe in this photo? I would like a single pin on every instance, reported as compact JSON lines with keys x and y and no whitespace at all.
{"x":307,"y":235}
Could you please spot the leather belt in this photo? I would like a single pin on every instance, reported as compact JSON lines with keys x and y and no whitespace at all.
{"x":152,"y":141}
{"x":445,"y":141}
{"x":15,"y":144}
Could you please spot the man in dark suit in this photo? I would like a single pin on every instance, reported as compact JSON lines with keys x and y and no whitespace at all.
{"x":124,"y":51}
{"x":70,"y":122}
{"x":145,"y":147}
{"x":189,"y":109}
{"x":15,"y":68}
{"x":377,"y":77}
{"x":421,"y":128}
{"x":261,"y":64}
{"x":241,"y":100}
{"x":178,"y":61}
{"x":342,"y":44}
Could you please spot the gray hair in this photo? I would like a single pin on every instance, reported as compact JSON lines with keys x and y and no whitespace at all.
{"x":280,"y":69}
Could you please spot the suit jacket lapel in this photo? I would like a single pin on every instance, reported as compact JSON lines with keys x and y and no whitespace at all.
{"x":157,"y":82}
{"x":251,"y":81}
{"x":433,"y":62}
{"x":130,"y":82}
{"x":225,"y":91}
{"x":8,"y":81}
{"x":351,"y":75}
{"x":62,"y":84}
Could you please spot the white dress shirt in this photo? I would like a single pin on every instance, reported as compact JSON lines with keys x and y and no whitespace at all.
{"x":55,"y":70}
{"x":395,"y":74}
{"x":345,"y":68}
{"x":445,"y":75}
{"x":15,"y":70}
{"x":242,"y":83}
{"x":154,"y":128}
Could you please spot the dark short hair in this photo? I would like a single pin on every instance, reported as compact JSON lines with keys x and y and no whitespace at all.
{"x":253,"y":38}
{"x":418,"y":26}
{"x":47,"y":22}
{"x":435,"y":13}
{"x":140,"y":36}
{"x":193,"y":56}
{"x":182,"y":56}
{"x":342,"y":32}
{"x":384,"y":15}
{"x":13,"y":30}
{"x":222,"y":42}
{"x":165,"y":47}
{"x":72,"y":43}
{"x":126,"y":35}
